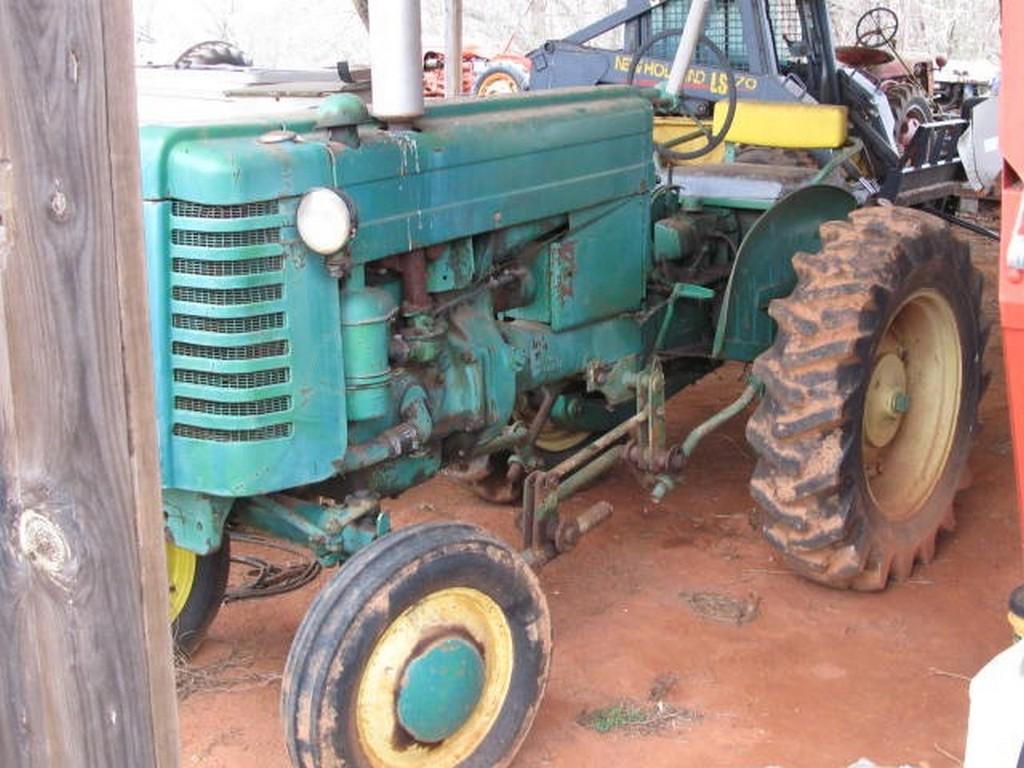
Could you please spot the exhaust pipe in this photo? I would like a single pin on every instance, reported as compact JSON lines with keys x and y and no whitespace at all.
{"x":396,"y":61}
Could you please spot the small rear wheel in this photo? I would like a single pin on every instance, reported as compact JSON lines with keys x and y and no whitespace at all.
{"x":197,"y":585}
{"x":871,"y":398}
{"x":429,"y":649}
{"x":501,"y":79}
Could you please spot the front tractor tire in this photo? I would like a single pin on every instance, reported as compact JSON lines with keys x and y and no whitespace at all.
{"x":197,"y":585}
{"x":871,"y":398}
{"x":428,"y":649}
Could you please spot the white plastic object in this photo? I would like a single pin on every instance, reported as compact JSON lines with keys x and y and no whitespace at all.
{"x":995,"y":727}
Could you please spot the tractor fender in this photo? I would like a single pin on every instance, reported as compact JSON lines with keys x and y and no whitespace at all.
{"x":763,"y":269}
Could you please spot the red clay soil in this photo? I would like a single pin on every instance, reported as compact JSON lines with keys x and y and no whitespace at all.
{"x":818,"y":679}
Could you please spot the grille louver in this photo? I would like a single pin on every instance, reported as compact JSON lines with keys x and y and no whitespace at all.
{"x":199,"y":239}
{"x":228,"y":268}
{"x":252,"y":324}
{"x":187,"y":210}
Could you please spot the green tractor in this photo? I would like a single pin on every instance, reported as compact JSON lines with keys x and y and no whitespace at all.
{"x":347,"y":302}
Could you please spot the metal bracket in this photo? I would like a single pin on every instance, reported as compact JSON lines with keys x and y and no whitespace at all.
{"x":544,"y":534}
{"x":333,"y":531}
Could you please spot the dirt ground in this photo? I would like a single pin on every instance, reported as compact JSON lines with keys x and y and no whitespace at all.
{"x":816,"y":679}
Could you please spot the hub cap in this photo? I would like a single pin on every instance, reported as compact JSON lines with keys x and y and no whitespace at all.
{"x":435,"y":682}
{"x":181,"y":574}
{"x":441,"y":688}
{"x":912,"y":405}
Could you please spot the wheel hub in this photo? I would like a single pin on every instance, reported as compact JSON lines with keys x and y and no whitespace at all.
{"x":435,"y":682}
{"x":912,"y":405}
{"x":441,"y":688}
{"x":887,"y":400}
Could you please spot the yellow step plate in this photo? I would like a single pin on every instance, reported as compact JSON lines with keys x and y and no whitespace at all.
{"x":786,"y":126}
{"x":668,"y":128}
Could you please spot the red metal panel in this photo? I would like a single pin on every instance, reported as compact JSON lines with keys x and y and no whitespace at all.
{"x":1011,"y":281}
{"x":1011,"y":98}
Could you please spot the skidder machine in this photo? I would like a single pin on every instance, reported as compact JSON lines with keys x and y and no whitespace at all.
{"x":346,"y":302}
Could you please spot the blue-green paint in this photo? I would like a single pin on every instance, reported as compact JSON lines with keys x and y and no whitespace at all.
{"x":366,"y":315}
{"x":764,"y":267}
{"x":195,"y":521}
{"x":247,"y":349}
{"x":440,"y":689}
{"x":273,"y":369}
{"x":332,"y":532}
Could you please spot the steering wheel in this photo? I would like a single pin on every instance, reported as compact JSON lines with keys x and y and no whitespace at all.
{"x":877,"y":28}
{"x":711,"y":139}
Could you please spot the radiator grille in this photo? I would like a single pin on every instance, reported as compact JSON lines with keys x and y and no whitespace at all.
{"x":252,"y":324}
{"x":228,"y":268}
{"x":206,"y":276}
{"x":272,"y":432}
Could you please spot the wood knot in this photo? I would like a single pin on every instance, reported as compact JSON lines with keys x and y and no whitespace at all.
{"x":58,"y":202}
{"x":43,"y":542}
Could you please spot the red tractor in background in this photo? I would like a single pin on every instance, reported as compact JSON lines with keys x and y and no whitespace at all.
{"x":481,"y":75}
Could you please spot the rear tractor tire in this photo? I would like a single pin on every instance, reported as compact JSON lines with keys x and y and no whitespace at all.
{"x":871,"y":398}
{"x":910,"y":110}
{"x":428,"y":649}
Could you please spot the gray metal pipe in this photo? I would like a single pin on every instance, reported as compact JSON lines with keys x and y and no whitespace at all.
{"x":452,"y":49}
{"x":396,"y":60}
{"x":687,"y":45}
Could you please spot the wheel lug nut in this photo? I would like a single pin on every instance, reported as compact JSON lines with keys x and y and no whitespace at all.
{"x":899,"y":403}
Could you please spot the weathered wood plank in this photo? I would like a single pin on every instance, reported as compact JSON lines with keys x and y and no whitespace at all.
{"x":85,"y":674}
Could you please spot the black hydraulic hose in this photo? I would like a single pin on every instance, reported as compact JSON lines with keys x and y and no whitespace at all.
{"x":970,"y":226}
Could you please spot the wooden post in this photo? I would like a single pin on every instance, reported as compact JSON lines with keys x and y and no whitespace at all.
{"x":86,"y":676}
{"x":452,"y":48}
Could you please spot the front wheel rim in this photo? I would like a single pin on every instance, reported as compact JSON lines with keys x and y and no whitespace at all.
{"x":181,"y":575}
{"x":461,"y":621}
{"x":912,"y":405}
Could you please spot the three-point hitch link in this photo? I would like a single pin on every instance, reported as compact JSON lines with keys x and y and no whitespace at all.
{"x":545,"y":534}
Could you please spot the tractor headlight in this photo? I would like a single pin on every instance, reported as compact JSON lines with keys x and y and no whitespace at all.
{"x":324,"y":221}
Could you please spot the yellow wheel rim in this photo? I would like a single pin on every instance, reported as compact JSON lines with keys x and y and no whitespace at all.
{"x":912,"y":405}
{"x":181,"y":575}
{"x":497,"y":84}
{"x":1017,"y":625}
{"x":552,"y":438}
{"x":555,"y":439}
{"x":461,"y":612}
